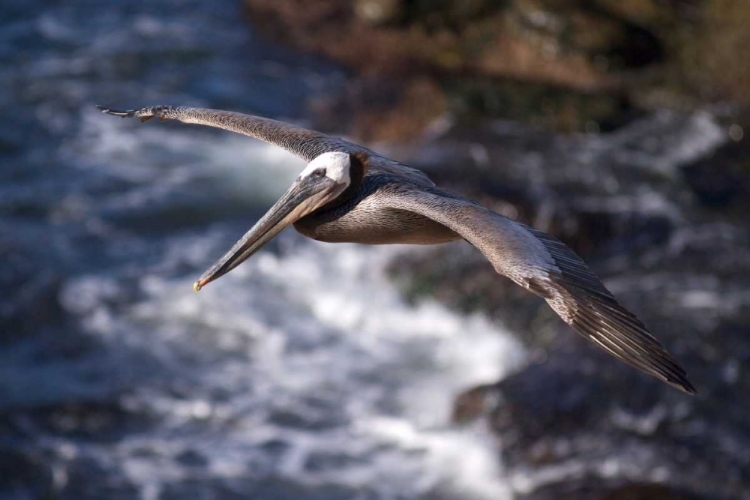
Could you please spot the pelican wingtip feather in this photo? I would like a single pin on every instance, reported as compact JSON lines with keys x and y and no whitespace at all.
{"x":114,"y":112}
{"x":579,"y":297}
{"x":144,"y":114}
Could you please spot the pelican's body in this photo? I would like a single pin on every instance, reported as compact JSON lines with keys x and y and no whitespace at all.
{"x":367,"y":218}
{"x":348,"y":193}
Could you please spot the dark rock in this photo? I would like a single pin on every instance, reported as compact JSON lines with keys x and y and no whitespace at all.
{"x":722,"y":180}
{"x":545,"y":106}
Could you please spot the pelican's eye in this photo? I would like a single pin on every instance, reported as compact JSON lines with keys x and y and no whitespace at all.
{"x":319,"y":172}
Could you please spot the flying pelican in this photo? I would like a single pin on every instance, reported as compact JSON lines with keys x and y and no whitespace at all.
{"x":348,"y":193}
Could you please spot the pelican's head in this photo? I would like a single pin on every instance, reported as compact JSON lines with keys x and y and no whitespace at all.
{"x":321,"y":182}
{"x":335,"y":166}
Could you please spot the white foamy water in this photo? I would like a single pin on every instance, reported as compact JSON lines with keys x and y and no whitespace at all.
{"x":304,"y":366}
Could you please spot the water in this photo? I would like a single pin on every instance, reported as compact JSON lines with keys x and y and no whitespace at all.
{"x":301,"y":375}
{"x":304,"y":373}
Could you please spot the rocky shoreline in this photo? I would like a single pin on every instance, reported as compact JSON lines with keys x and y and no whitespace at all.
{"x":566,"y":65}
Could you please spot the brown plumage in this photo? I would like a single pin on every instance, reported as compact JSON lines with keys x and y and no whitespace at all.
{"x":351,"y":194}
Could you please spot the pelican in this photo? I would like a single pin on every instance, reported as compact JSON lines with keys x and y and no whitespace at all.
{"x":348,"y":193}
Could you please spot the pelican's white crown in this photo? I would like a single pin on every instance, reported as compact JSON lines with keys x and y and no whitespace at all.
{"x":336,"y":165}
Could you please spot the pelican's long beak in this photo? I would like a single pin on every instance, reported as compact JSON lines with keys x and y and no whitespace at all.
{"x":305,"y":195}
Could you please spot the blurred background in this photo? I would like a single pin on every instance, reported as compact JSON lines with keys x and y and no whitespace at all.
{"x":318,"y":371}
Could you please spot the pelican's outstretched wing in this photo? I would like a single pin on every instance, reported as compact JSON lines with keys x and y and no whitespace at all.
{"x":546,"y":267}
{"x":302,"y":142}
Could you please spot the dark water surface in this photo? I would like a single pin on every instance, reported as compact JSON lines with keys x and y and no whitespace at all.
{"x":305,"y":373}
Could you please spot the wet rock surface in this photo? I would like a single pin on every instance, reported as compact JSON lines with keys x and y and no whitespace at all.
{"x":566,"y":65}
